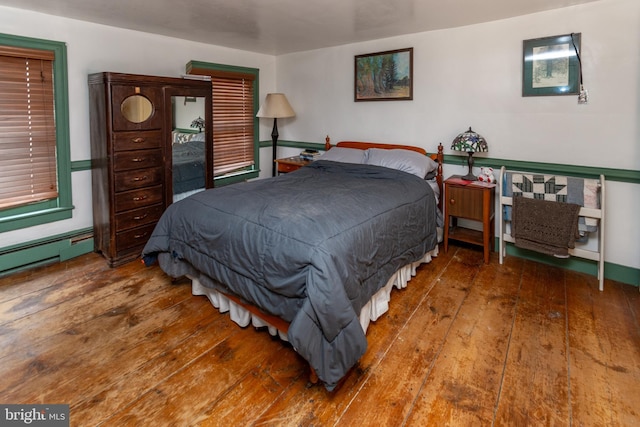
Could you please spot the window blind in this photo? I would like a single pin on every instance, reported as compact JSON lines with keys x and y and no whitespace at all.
{"x":233,"y":119}
{"x":27,"y":127}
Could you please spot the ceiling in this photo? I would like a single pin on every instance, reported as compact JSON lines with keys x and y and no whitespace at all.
{"x":276,"y":27}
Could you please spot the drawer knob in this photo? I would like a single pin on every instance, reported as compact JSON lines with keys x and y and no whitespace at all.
{"x":137,"y":140}
{"x":139,"y":198}
{"x":140,"y":217}
{"x":138,"y":159}
{"x":140,"y":236}
{"x":452,"y":201}
{"x":140,"y":178}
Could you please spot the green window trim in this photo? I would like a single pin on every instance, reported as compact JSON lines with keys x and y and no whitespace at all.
{"x":253,"y":171}
{"x":61,"y":207}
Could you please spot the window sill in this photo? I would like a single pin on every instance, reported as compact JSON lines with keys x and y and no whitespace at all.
{"x":30,"y":219}
{"x":233,"y":178}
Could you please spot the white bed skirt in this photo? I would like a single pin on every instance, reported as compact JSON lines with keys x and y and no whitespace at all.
{"x":376,"y":307}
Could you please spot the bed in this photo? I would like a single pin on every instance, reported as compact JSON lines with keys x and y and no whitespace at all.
{"x":312,"y":254}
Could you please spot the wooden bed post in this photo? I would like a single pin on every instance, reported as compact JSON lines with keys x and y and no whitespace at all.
{"x":327,"y":143}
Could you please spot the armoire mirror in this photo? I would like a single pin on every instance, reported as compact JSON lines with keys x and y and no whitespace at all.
{"x":188,"y":145}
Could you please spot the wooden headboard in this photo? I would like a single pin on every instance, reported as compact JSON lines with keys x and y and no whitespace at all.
{"x":438,"y":157}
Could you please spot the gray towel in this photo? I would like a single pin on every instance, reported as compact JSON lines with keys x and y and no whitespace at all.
{"x":545,"y":226}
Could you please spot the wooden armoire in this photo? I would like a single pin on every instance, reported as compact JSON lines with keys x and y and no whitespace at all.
{"x":133,"y":128}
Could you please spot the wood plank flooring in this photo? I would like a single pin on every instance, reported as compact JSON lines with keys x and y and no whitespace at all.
{"x":466,"y":343}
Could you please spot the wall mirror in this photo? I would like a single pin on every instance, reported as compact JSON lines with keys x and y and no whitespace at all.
{"x":188,"y":145}
{"x":136,"y":108}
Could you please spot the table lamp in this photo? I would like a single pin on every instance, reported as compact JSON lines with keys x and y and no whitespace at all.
{"x":470,"y":142}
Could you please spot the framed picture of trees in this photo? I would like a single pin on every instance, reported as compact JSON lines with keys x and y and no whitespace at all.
{"x":384,"y":76}
{"x":551,"y":65}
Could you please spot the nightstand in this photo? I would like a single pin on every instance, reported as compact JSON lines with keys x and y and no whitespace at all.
{"x":471,"y":200}
{"x":290,"y":164}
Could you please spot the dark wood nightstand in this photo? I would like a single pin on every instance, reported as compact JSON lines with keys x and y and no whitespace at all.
{"x":473,"y":200}
{"x":290,"y":164}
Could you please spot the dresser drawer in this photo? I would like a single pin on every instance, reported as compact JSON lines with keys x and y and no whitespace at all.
{"x":134,"y":237}
{"x":129,"y":180}
{"x":138,"y":159}
{"x":138,"y":217}
{"x":137,"y":140}
{"x":464,"y":202}
{"x":138,"y":198}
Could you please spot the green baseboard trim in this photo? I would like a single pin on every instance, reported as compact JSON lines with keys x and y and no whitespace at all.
{"x":616,"y":272}
{"x":45,"y":251}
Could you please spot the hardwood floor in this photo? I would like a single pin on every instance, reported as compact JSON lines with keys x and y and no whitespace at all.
{"x":466,"y":343}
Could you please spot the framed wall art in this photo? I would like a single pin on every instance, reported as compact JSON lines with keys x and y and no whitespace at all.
{"x":551,"y":65}
{"x":384,"y":76}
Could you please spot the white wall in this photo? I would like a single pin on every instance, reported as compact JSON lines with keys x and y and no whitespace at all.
{"x":469,"y":76}
{"x":94,"y":48}
{"x":472,"y":76}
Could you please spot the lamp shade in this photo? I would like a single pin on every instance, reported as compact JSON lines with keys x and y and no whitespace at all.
{"x":276,"y":106}
{"x":470,"y":142}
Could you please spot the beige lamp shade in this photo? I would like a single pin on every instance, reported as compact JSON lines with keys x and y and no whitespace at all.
{"x":276,"y":106}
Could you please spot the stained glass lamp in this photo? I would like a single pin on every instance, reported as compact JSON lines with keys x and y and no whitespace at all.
{"x":470,"y":142}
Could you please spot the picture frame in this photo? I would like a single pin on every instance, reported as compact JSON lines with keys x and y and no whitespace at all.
{"x":551,"y":65}
{"x":384,"y":76}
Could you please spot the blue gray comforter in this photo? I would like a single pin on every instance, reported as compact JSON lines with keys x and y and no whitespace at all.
{"x":311,"y":247}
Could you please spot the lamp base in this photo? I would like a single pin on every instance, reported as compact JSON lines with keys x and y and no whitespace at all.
{"x":274,"y":145}
{"x":469,"y":177}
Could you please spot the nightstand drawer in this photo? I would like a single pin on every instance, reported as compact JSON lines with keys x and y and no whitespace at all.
{"x":286,"y":167}
{"x":464,"y":202}
{"x":290,"y":164}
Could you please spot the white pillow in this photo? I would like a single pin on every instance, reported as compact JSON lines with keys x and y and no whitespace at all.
{"x":404,"y":160}
{"x":344,"y":155}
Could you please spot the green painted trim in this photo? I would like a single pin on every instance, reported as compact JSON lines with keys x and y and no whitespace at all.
{"x":30,"y":219}
{"x":622,"y":273}
{"x":293,"y":144}
{"x":60,"y":208}
{"x":616,"y":272}
{"x":222,"y":67}
{"x":620,"y":175}
{"x":298,"y":144}
{"x":45,"y":251}
{"x":76,"y":249}
{"x":81,"y":165}
{"x":235,"y":178}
